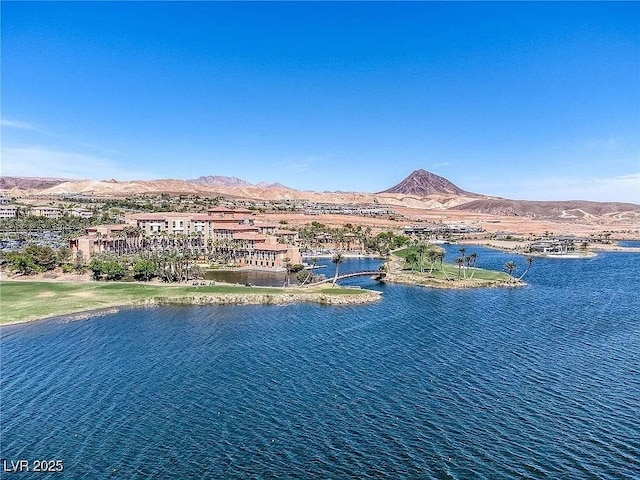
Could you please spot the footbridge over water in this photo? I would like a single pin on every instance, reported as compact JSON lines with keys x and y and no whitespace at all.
{"x":376,"y":274}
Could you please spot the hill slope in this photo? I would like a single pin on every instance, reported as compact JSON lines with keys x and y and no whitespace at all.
{"x":423,"y":183}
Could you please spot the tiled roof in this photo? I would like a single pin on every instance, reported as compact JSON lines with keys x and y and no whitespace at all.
{"x":272,"y":247}
{"x":235,"y":227}
{"x":249,"y":236}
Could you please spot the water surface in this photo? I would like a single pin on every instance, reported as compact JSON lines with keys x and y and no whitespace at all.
{"x":534,"y":382}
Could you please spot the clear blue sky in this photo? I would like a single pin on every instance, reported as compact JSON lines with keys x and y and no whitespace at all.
{"x":523,"y":100}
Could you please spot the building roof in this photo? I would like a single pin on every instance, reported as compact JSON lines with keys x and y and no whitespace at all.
{"x":273,"y":247}
{"x":266,"y":224}
{"x":249,"y":236}
{"x":112,"y":226}
{"x":159,"y":215}
{"x":235,"y":227}
{"x":202,"y":216}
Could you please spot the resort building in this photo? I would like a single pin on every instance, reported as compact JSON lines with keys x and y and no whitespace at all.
{"x":8,"y":211}
{"x":222,"y":234}
{"x":46,"y":211}
{"x":80,"y":212}
{"x":118,"y":239}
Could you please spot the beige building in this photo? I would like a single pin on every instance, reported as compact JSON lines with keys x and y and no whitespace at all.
{"x":80,"y":212}
{"x":8,"y":211}
{"x":118,"y":239}
{"x":222,"y":232}
{"x":46,"y":211}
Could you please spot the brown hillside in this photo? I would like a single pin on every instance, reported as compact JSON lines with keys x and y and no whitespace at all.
{"x":423,"y":183}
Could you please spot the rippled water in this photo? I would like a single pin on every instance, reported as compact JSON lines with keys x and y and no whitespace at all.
{"x":534,"y":382}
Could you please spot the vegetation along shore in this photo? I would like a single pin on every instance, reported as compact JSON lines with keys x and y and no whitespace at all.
{"x":24,"y":300}
{"x":423,"y":264}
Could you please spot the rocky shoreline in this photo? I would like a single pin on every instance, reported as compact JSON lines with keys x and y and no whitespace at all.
{"x":368,"y":296}
{"x":342,"y":296}
{"x":422,"y":280}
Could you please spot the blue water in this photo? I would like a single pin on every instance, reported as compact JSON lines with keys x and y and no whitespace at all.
{"x":630,"y":243}
{"x":534,"y":382}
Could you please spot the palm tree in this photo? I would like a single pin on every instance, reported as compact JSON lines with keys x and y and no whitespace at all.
{"x":287,"y":265}
{"x":337,"y":259}
{"x":529,"y":263}
{"x":511,"y":267}
{"x":441,"y":256}
{"x":422,"y":248}
{"x":459,"y":261}
{"x":473,"y":258}
{"x":462,"y":252}
{"x":432,"y":256}
{"x":412,"y":260}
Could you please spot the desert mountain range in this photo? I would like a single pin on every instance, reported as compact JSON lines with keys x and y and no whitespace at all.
{"x":420,"y":190}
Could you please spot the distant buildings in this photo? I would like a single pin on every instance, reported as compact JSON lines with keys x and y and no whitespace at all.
{"x":223,"y":233}
{"x":441,"y":229}
{"x":362,"y":211}
{"x":8,"y":212}
{"x":46,"y":211}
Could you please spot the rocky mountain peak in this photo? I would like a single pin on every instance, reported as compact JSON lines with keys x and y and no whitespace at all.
{"x":423,"y":183}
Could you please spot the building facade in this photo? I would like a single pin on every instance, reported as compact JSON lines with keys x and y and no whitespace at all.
{"x":224,"y":234}
{"x":8,"y":211}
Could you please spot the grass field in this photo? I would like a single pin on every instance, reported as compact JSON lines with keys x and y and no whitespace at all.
{"x":452,"y":271}
{"x":24,"y":300}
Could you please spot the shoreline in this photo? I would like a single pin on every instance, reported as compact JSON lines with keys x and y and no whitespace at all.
{"x":96,"y":297}
{"x":462,"y":284}
{"x":517,"y":247}
{"x":344,"y":255}
{"x":396,"y":274}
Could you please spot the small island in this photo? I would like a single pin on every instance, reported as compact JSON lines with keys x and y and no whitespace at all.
{"x":423,"y":264}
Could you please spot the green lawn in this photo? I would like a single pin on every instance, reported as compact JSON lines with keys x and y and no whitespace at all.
{"x":406,"y":251}
{"x":451,"y":269}
{"x":24,"y":300}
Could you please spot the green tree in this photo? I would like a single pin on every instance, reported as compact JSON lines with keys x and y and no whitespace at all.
{"x":510,"y":267}
{"x":96,"y":266}
{"x":473,"y":258}
{"x":462,"y":252}
{"x":421,"y":248}
{"x":432,"y":256}
{"x":144,"y":269}
{"x":25,"y":264}
{"x":44,"y":257}
{"x":459,"y":261}
{"x":113,"y":270}
{"x":337,"y":259}
{"x":64,"y":255}
{"x":529,"y":263}
{"x":287,"y":265}
{"x":412,"y":260}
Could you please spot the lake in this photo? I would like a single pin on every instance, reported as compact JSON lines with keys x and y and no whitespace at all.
{"x":535,"y":382}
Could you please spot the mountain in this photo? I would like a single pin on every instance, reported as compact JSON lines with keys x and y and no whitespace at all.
{"x":273,"y":185}
{"x":220,"y":181}
{"x":419,"y":191}
{"x":423,"y":183}
{"x":7,"y":183}
{"x":233,"y":182}
{"x":562,"y":210}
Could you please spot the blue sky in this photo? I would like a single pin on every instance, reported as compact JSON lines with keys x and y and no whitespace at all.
{"x":522,"y":100}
